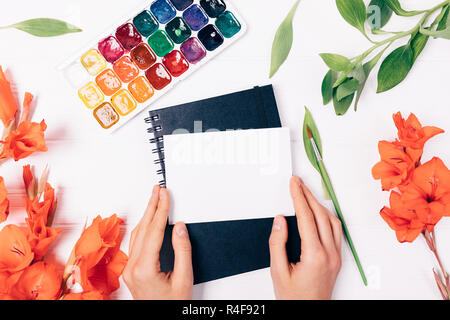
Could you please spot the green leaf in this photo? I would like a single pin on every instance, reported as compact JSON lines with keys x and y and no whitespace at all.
{"x":395,"y":68}
{"x":282,"y":43}
{"x":326,"y":193}
{"x":347,"y":88}
{"x":335,"y":62}
{"x":444,"y":21}
{"x":354,"y":12}
{"x":44,"y":27}
{"x":309,"y":122}
{"x":343,"y":76}
{"x":378,"y":14}
{"x":341,"y":107}
{"x":418,"y":43}
{"x":443,"y":33}
{"x":362,"y":74}
{"x":397,"y":8}
{"x":327,"y":86}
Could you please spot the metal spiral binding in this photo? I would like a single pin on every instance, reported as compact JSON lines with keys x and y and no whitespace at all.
{"x":157,"y":140}
{"x":154,"y":129}
{"x":150,"y":119}
{"x":159,"y":147}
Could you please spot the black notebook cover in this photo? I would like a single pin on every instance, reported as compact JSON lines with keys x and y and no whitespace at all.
{"x":222,"y":249}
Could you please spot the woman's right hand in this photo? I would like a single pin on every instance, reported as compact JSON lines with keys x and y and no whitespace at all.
{"x":314,"y":277}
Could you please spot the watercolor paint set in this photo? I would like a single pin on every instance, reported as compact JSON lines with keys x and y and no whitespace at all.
{"x":146,"y":54}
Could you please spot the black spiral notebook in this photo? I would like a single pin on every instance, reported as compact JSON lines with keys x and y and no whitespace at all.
{"x":222,"y":249}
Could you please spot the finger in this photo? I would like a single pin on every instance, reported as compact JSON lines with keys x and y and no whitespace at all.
{"x":279,"y":263}
{"x":322,"y":218}
{"x":155,"y":233}
{"x":182,"y":270}
{"x":336,"y":225}
{"x":162,"y":212}
{"x":132,"y":238}
{"x":151,"y":207}
{"x":305,"y":218}
{"x":137,"y":240}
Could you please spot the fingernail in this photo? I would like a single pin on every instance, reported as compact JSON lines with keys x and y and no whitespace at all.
{"x":181,"y":230}
{"x":277,"y":224}
{"x":155,"y":190}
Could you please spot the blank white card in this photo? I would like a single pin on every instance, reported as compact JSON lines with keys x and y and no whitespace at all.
{"x":231,"y":175}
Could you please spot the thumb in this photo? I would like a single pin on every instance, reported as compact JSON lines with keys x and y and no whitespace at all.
{"x":279,"y":263}
{"x":182,"y":271}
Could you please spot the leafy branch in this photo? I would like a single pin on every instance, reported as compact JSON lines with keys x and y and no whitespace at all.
{"x":347,"y":77}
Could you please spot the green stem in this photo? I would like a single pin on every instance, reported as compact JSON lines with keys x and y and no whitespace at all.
{"x":329,"y":186}
{"x":397,"y":36}
{"x":413,"y":13}
{"x":439,"y":17}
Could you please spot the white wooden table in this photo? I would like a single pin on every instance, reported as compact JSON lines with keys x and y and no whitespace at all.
{"x":114,"y":174}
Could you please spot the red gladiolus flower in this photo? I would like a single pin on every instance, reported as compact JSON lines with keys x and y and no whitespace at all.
{"x":424,"y":196}
{"x":97,"y":256}
{"x":40,"y":281}
{"x":4,"y":202}
{"x":411,"y":134}
{"x":40,"y":236}
{"x":429,"y":190}
{"x":25,"y":140}
{"x":395,"y":166}
{"x":15,"y":251}
{"x":8,"y":106}
{"x":405,"y":222}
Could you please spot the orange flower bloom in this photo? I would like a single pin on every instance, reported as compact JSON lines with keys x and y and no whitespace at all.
{"x":40,"y":236}
{"x":40,"y":281}
{"x":4,"y":202}
{"x":411,"y":133}
{"x":30,"y":182}
{"x":429,"y":191}
{"x":36,"y":209}
{"x":26,"y":139}
{"x":100,"y":260}
{"x":423,"y":202}
{"x":395,"y":166}
{"x":403,"y":221}
{"x":91,"y":295}
{"x":15,"y":251}
{"x":7,"y":282}
{"x":8,"y":107}
{"x":105,"y":275}
{"x":26,"y":106}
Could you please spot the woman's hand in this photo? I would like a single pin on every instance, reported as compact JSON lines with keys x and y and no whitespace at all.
{"x":142,"y":274}
{"x":320,"y":261}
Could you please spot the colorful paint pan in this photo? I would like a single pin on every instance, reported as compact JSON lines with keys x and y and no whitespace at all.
{"x":181,"y":4}
{"x":108,"y":82}
{"x":141,"y":89}
{"x":158,"y":76}
{"x":123,"y":102}
{"x":142,"y":58}
{"x":106,"y":115}
{"x":126,"y":69}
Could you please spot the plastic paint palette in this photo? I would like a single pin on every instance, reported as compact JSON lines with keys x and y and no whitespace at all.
{"x":142,"y":58}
